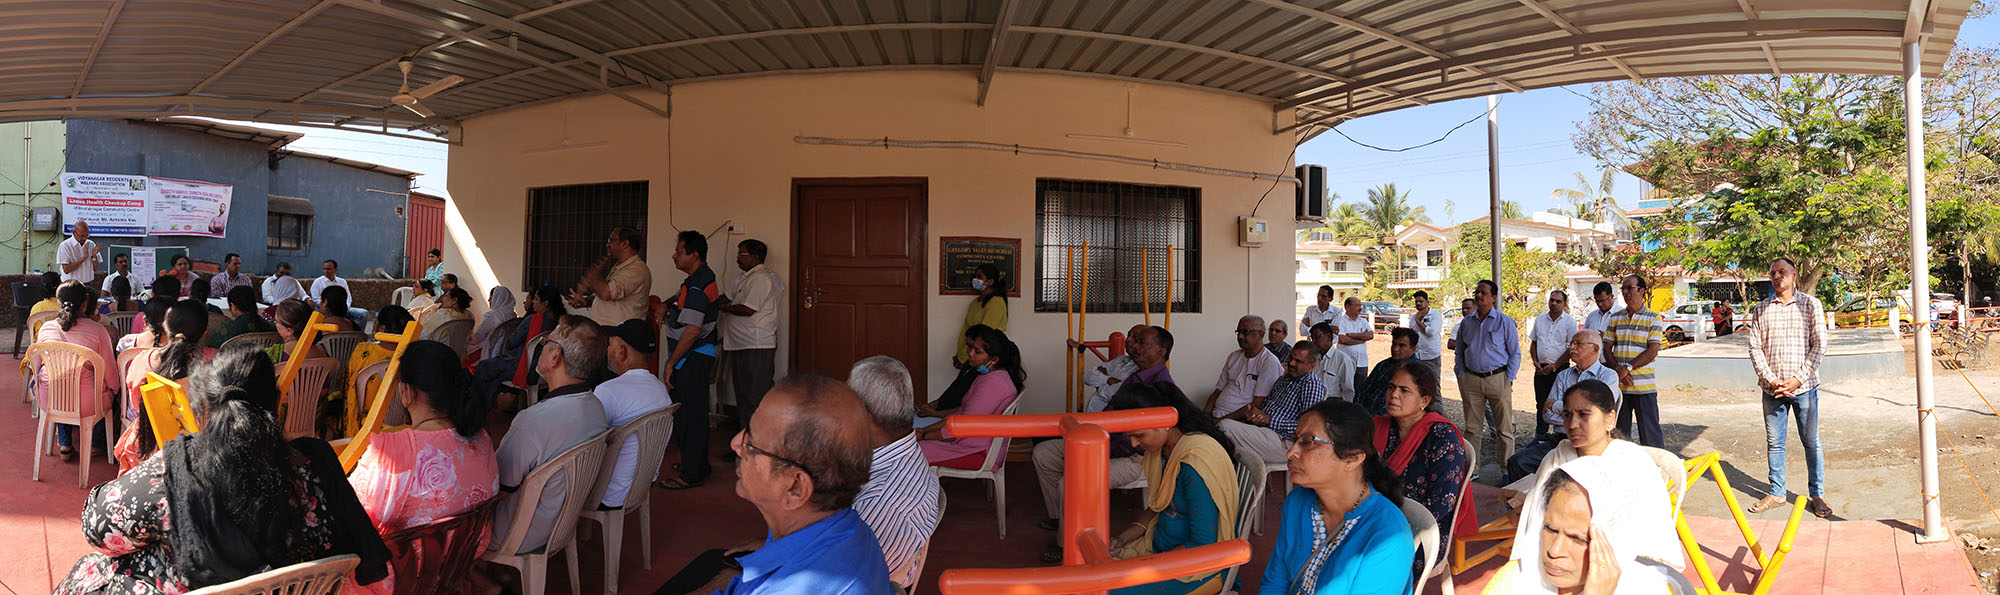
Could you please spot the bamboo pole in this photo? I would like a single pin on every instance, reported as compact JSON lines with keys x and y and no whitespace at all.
{"x":1146,"y":282}
{"x":1083,"y":312}
{"x":1069,"y":330}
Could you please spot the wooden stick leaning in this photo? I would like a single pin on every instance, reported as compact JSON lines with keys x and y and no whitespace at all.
{"x":166,"y":406}
{"x":378,"y":407}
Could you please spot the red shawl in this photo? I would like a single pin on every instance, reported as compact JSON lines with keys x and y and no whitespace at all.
{"x":527,"y":361}
{"x":1466,"y":522}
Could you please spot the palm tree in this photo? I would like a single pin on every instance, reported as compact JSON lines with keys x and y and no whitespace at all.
{"x":1385,"y":210}
{"x":1349,"y":226}
{"x":1595,"y":204}
{"x":1512,"y":210}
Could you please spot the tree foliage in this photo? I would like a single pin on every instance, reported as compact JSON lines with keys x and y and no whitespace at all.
{"x":1530,"y":273}
{"x":1594,"y":203}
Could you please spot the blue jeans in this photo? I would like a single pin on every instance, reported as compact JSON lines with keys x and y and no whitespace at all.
{"x":1805,"y":407}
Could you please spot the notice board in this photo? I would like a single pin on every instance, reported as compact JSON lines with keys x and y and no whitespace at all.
{"x":959,"y":257}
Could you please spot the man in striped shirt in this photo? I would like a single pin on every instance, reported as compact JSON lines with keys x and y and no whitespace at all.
{"x":1787,"y":343}
{"x":900,"y":501}
{"x":1635,"y":342}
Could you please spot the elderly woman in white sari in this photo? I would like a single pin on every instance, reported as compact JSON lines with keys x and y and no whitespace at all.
{"x":1589,"y":529}
{"x":1588,"y":409}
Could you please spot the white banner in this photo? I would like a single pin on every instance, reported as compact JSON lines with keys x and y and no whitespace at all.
{"x":145,"y":265}
{"x":113,"y":205}
{"x":188,"y":208}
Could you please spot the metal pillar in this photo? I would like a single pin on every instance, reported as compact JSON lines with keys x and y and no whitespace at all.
{"x":1493,"y":183}
{"x":1920,"y":288}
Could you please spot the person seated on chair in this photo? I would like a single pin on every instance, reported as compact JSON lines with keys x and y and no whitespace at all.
{"x":243,"y":317}
{"x":291,"y":316}
{"x":186,"y":322}
{"x":1268,"y":427}
{"x":73,"y":325}
{"x":333,"y":308}
{"x":147,"y":326}
{"x":998,"y":385}
{"x":632,"y":394}
{"x":450,"y":306}
{"x":900,"y":501}
{"x":1585,"y":347}
{"x":1373,"y":394}
{"x":183,"y":274}
{"x":1102,"y":381}
{"x":499,"y":309}
{"x":391,"y":319}
{"x":1333,"y":362}
{"x":121,"y":296}
{"x":1425,"y":450}
{"x":50,"y":283}
{"x":1191,"y":472}
{"x":804,"y":458}
{"x":441,"y":466}
{"x":1587,"y":415}
{"x":198,"y":293}
{"x":566,"y":416}
{"x":953,"y":396}
{"x":1588,"y":531}
{"x":1150,"y":348}
{"x":1343,"y":529}
{"x":545,"y":307}
{"x":423,"y":296}
{"x":1247,"y":373}
{"x":226,"y":503}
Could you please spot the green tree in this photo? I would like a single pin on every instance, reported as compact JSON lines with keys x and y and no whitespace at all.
{"x":1594,"y":203}
{"x":1386,"y":209}
{"x":1512,"y":210}
{"x":1530,"y":273}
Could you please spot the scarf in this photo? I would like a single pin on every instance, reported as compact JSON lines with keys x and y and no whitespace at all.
{"x":210,"y":548}
{"x":1628,"y":501}
{"x":527,"y":360}
{"x":499,"y":309}
{"x":1463,"y":522}
{"x":1216,"y":469}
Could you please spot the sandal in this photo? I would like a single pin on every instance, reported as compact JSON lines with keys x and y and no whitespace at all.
{"x":1819,"y":508}
{"x":676,"y":483}
{"x":66,"y":454}
{"x":1052,"y":555}
{"x":1769,"y":502}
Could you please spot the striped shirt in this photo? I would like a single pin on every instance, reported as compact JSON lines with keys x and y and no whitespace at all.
{"x":1787,"y":340}
{"x":900,"y":502}
{"x":1630,"y":334}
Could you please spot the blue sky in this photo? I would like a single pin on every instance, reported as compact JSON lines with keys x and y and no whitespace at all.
{"x":1536,"y":155}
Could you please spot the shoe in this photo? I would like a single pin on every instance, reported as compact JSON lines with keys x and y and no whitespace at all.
{"x":1819,"y":508}
{"x":1052,"y":555}
{"x":66,"y":455}
{"x":1050,"y":524}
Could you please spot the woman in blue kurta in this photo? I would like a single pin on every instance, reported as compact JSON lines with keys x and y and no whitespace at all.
{"x":1194,"y":501}
{"x":1342,"y":531}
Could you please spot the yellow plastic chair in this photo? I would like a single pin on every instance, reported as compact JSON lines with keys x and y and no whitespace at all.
{"x":167,"y":408}
{"x":1711,"y":465}
{"x":350,"y":453}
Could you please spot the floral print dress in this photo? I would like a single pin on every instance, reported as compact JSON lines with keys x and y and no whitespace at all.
{"x":413,"y":477}
{"x":129,"y":521}
{"x":1434,"y":475}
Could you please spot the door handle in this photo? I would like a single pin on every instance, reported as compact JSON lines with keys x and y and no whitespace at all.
{"x":810,"y":298}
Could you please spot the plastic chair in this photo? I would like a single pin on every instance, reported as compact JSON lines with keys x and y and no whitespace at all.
{"x":498,"y":336}
{"x":1500,"y":530}
{"x":533,"y":392}
{"x":993,"y":469}
{"x":167,"y":408}
{"x":1250,"y":486}
{"x":579,"y":461}
{"x":124,"y":366}
{"x":402,"y":296}
{"x":300,"y":408}
{"x":317,"y":577}
{"x":358,"y":389}
{"x":260,"y":340}
{"x":452,"y":334}
{"x":1424,"y":529}
{"x":352,"y":448}
{"x":652,"y":430}
{"x":435,"y":558}
{"x":215,"y":322}
{"x":67,"y":367}
{"x":34,"y":328}
{"x":1442,"y":567}
{"x":119,"y":323}
{"x":340,"y":345}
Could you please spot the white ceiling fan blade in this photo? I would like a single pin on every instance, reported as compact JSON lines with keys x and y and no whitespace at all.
{"x":437,"y":85}
{"x":416,"y":108}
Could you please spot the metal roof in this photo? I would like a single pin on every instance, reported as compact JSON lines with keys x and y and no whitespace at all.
{"x":333,"y":62}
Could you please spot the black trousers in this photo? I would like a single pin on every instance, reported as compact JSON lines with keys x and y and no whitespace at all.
{"x":691,"y":420}
{"x":703,"y":568}
{"x":1646,"y":407}
{"x":1543,"y":382}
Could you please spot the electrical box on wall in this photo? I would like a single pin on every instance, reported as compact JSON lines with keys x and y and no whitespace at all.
{"x":1252,"y":232}
{"x":43,"y":219}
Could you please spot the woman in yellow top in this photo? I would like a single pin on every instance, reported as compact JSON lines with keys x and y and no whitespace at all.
{"x":391,"y":319}
{"x":50,"y":281}
{"x":989,"y":308}
{"x":451,"y":306}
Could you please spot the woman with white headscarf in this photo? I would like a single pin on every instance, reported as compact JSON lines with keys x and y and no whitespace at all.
{"x":1587,"y":529}
{"x":499,"y":309}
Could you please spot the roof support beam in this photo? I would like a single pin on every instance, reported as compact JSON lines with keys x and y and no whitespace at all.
{"x":994,"y":43}
{"x":1375,"y":32}
{"x":448,"y":40}
{"x":530,"y":33}
{"x":1185,"y":47}
{"x":117,"y":6}
{"x":1572,"y":29}
{"x":193,"y":101}
{"x":1917,"y":23}
{"x":1771,"y":56}
{"x":268,"y":38}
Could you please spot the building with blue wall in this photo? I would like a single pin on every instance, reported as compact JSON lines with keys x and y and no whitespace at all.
{"x":286,"y":206}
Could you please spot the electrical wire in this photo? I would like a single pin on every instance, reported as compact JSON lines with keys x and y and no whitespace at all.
{"x":1447,"y":133}
{"x":1289,"y":157}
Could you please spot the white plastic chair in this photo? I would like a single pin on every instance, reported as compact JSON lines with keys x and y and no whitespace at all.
{"x":1424,"y":528}
{"x":34,"y":326}
{"x":260,"y":340}
{"x":359,"y":395}
{"x":402,"y":295}
{"x":652,"y":430}
{"x":119,"y":323}
{"x":340,"y":344}
{"x":993,"y":469}
{"x":1250,"y":486}
{"x":452,"y":334}
{"x":533,"y":392}
{"x":317,"y":577}
{"x":301,"y":403}
{"x":580,"y":461}
{"x":67,"y":366}
{"x":1441,"y":568}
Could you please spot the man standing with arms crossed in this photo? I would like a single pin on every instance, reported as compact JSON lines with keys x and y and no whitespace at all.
{"x":1787,"y":344}
{"x":750,"y":328}
{"x":1549,"y":344}
{"x":1488,"y":358}
{"x":1354,"y":329}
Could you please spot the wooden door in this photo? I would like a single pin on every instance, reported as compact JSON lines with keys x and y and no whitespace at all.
{"x":424,"y":231}
{"x":859,"y":247}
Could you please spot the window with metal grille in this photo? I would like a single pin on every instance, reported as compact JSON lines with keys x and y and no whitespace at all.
{"x":287,"y":232}
{"x":1130,"y":229}
{"x":567,"y":226}
{"x":1434,"y":258}
{"x":1340,"y":266}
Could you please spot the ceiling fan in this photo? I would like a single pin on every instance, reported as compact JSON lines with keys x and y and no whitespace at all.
{"x":408,"y":99}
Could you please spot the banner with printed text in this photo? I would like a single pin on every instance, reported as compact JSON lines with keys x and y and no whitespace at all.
{"x":188,"y":208}
{"x":112,"y":204}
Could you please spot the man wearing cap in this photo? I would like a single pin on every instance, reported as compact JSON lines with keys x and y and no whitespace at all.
{"x":635,"y":392}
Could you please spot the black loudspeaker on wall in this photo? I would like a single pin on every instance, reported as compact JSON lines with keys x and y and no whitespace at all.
{"x":1310,"y":193}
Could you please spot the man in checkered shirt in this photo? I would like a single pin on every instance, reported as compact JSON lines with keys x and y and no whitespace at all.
{"x":1787,"y":343}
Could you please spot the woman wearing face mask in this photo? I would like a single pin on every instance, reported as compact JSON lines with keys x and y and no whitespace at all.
{"x":1588,"y":411}
{"x":988,"y":308}
{"x":1342,"y":531}
{"x":1585,"y":532}
{"x":998,"y":363}
{"x":1196,"y":503}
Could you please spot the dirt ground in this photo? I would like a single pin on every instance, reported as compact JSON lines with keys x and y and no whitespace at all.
{"x":1868,"y":430}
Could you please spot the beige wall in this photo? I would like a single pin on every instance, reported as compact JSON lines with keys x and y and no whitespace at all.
{"x":736,"y":159}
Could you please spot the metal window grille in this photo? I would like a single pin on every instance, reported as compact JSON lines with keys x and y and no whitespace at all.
{"x":1125,"y":225}
{"x":284,"y":231}
{"x":567,"y":226}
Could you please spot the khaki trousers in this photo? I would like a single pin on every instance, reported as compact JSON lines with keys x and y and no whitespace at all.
{"x":1489,"y":396}
{"x":1049,"y":472}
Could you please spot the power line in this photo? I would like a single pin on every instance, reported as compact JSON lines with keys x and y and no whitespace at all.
{"x":1447,"y":133}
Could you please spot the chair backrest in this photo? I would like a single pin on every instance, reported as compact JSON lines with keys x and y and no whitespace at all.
{"x":317,"y":577}
{"x":34,"y":324}
{"x":452,"y":334}
{"x":364,"y":399}
{"x":1424,"y":528}
{"x":581,"y":460}
{"x":1250,"y":481}
{"x":499,"y":335}
{"x":402,"y":296}
{"x":339,"y":345}
{"x":119,"y":323}
{"x":73,"y":373}
{"x":996,"y":452}
{"x":302,"y":401}
{"x":124,"y":366}
{"x":653,"y":431}
{"x":1464,"y":481}
{"x":261,"y":340}
{"x":436,"y":557}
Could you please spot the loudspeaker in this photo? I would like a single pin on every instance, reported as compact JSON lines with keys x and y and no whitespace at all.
{"x":1309,"y":196}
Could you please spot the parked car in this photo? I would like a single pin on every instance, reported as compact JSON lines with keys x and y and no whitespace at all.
{"x":1860,"y":311}
{"x":1682,"y":320}
{"x":1945,"y":305}
{"x":1385,"y":315}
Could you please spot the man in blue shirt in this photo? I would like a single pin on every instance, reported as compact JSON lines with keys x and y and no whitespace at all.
{"x":1487,"y":359}
{"x":805,"y":456}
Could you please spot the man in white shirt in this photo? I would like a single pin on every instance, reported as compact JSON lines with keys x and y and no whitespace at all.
{"x":1429,"y":325}
{"x":1354,"y":330}
{"x":1320,"y":312}
{"x":1606,"y":298}
{"x":1334,"y":364}
{"x":78,"y":255}
{"x":633,"y":393}
{"x":1549,"y":346}
{"x":281,"y":285}
{"x":1457,"y":330}
{"x":1105,"y":380}
{"x":1585,"y":348}
{"x":1247,"y":373}
{"x":750,"y":327}
{"x":329,"y":277}
{"x":121,"y":267}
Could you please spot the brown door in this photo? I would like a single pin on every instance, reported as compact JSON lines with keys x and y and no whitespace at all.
{"x":859,"y":245}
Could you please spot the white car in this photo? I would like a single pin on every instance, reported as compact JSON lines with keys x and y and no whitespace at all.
{"x":1681,"y":320}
